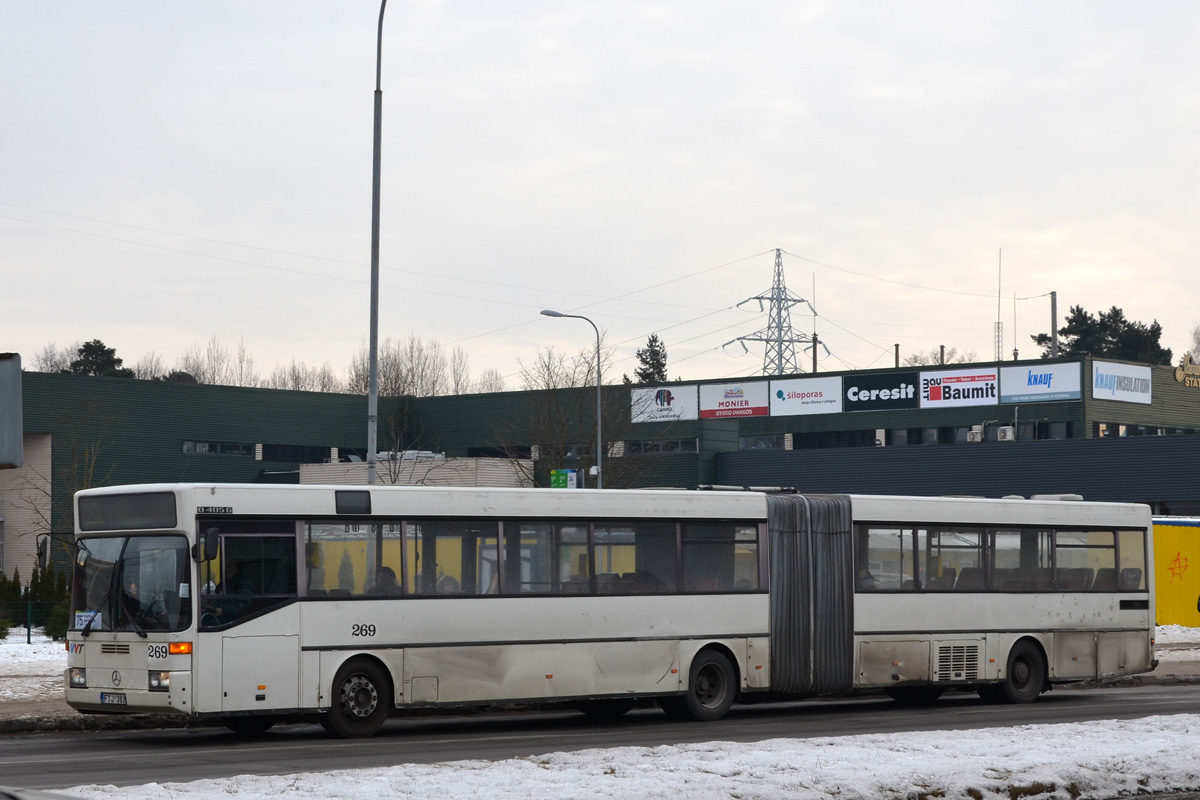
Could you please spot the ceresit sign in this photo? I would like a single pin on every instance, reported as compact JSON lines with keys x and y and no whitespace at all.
{"x":881,"y":392}
{"x":663,"y":404}
{"x":960,"y":387}
{"x":734,"y":400}
{"x":1041,"y":383}
{"x":1121,"y":382}
{"x":806,"y":396}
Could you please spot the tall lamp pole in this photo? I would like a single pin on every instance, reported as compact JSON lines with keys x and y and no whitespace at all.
{"x":599,"y":437}
{"x":373,"y":357}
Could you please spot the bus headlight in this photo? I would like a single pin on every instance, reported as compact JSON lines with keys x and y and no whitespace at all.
{"x":78,"y":677}
{"x":160,"y":681}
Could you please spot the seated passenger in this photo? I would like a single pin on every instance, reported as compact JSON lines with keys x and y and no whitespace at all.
{"x":385,"y":583}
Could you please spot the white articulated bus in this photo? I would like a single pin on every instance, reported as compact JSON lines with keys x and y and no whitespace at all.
{"x":248,"y":604}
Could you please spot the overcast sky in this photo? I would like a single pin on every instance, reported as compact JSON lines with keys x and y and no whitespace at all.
{"x":174,"y":171}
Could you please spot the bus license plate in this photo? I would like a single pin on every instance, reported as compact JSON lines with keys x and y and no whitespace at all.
{"x":113,"y":699}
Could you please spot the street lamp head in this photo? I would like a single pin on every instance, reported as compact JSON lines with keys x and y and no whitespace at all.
{"x":547,"y":312}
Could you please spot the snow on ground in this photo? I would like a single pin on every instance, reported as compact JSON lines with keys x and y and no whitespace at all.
{"x":1089,"y":760}
{"x":30,"y":671}
{"x":44,"y":657}
{"x":1092,"y":760}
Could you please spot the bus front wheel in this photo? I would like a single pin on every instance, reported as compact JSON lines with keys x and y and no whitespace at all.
{"x":711,"y":688}
{"x":361,"y":700}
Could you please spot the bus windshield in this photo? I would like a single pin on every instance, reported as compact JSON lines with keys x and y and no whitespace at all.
{"x":131,"y":583}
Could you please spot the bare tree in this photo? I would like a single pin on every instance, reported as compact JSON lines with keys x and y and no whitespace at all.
{"x":1195,"y":350}
{"x":934,"y":357}
{"x":52,"y":359}
{"x":149,"y":367}
{"x":298,"y":376}
{"x":490,"y":380}
{"x":460,"y":372}
{"x":242,"y":367}
{"x":412,"y":366}
{"x":559,"y":426}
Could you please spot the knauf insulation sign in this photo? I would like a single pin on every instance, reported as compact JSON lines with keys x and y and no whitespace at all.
{"x":806,"y":396}
{"x":734,"y":400}
{"x":960,"y":387}
{"x":1121,"y":382}
{"x":1041,"y":383}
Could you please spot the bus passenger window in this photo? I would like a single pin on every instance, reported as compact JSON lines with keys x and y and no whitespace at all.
{"x":884,"y":559}
{"x":720,"y":557}
{"x":1132,"y":553}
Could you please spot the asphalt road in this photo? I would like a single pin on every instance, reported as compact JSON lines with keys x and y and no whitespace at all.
{"x":58,"y":760}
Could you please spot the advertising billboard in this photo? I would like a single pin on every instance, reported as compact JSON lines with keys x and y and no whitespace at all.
{"x":1124,"y":383}
{"x":806,"y":396}
{"x":663,"y":403}
{"x":723,"y":400}
{"x":882,"y":392}
{"x":978,"y":386}
{"x":1041,"y":383}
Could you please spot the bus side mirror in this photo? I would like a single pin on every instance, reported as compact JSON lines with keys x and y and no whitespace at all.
{"x":206,"y":549}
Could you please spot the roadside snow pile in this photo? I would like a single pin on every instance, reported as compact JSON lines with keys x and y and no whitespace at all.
{"x":1052,"y":762}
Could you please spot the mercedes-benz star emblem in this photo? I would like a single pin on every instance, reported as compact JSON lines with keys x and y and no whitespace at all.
{"x":116,"y":678}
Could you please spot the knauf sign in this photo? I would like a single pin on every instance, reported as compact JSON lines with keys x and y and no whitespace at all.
{"x":1041,"y":383}
{"x":1121,"y":382}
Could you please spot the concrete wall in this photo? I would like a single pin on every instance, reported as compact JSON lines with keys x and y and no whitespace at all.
{"x":25,"y":506}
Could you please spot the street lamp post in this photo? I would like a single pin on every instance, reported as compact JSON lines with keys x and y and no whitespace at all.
{"x":373,"y":348}
{"x":599,"y":437}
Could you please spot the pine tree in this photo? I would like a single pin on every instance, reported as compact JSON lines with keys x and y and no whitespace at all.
{"x":652,"y":362}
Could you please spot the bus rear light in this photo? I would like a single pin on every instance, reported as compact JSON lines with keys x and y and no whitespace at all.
{"x":160,"y":681}
{"x":180,"y":648}
{"x":78,"y":677}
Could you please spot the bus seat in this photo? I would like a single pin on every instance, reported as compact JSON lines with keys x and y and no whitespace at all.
{"x":1106,"y":579}
{"x":945,"y":581}
{"x":1040,"y":579}
{"x":1130,"y":579}
{"x":1074,"y":579}
{"x":340,"y":593}
{"x":971,"y":579}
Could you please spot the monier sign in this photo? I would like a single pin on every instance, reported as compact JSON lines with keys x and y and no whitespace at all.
{"x":734,"y":400}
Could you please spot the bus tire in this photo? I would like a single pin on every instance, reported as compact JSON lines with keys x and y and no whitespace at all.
{"x":915,"y":695}
{"x":712,"y":686}
{"x":360,"y":700}
{"x":1025,"y":678}
{"x":249,"y":726}
{"x":605,"y":709}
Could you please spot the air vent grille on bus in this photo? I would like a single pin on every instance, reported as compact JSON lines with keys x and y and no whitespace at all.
{"x":114,"y":649}
{"x":958,"y":662}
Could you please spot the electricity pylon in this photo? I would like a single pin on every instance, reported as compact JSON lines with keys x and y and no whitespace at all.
{"x":779,"y":353}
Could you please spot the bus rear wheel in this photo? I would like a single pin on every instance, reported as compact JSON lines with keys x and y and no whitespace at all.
{"x":361,"y":700}
{"x":1024,"y":679}
{"x":712,"y":686}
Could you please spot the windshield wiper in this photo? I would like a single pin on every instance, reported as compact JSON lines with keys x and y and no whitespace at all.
{"x":87,"y":629}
